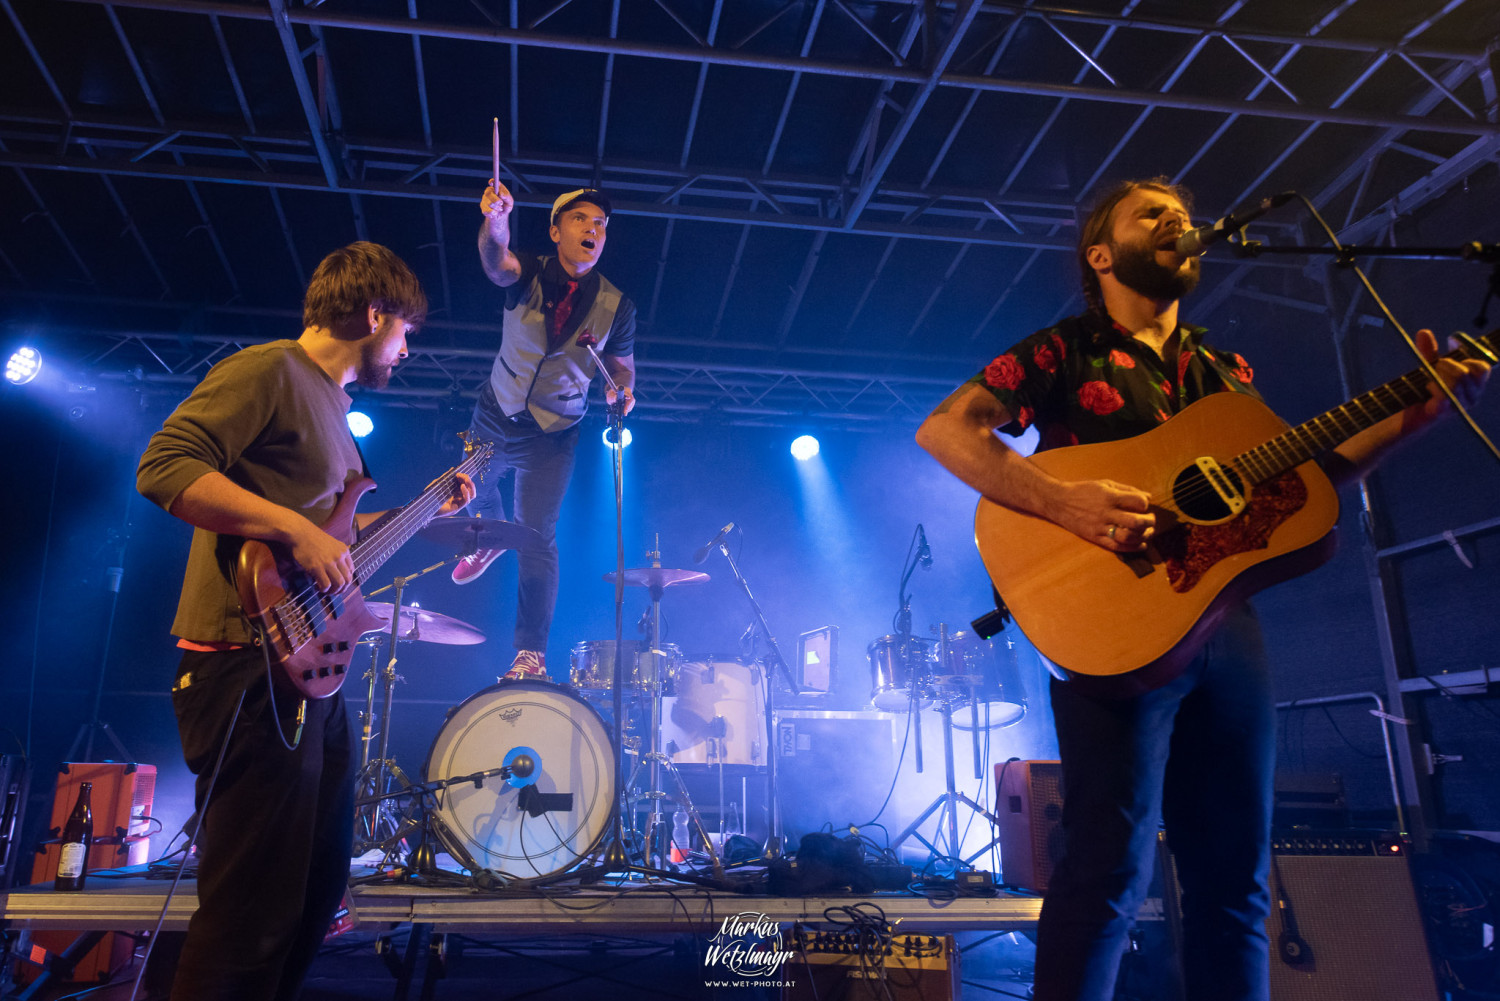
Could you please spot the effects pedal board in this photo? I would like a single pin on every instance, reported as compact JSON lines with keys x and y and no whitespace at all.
{"x":850,"y":966}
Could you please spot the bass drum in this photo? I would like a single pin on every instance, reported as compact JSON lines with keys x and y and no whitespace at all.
{"x":533,"y":824}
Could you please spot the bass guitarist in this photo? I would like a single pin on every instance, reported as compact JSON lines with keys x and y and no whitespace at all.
{"x":261,"y":449}
{"x":1197,"y":752}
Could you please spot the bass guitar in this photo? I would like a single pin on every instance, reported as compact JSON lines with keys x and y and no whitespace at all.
{"x":1239,"y":503}
{"x":310,"y":633}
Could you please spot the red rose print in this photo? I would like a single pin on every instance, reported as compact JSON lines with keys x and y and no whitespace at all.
{"x":1184,"y":359}
{"x":1044,"y":358}
{"x":1119,"y":359}
{"x":1244,"y":372}
{"x":1004,"y":372}
{"x":1057,"y":345}
{"x":1166,"y":388}
{"x":1099,"y":398}
{"x":1024,"y":417}
{"x":1162,"y":416}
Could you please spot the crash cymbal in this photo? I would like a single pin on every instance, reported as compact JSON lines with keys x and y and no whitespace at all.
{"x":465,"y":535}
{"x":658,"y":577}
{"x":429,"y":627}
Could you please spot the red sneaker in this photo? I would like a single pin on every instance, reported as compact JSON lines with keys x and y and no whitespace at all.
{"x":528,"y":664}
{"x":470,"y":567}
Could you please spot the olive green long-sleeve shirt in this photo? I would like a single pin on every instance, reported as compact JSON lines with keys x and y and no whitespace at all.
{"x":273,"y":422}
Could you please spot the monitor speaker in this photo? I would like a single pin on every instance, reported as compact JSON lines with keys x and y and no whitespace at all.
{"x":1029,"y":805}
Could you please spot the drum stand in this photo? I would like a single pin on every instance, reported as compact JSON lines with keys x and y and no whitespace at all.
{"x":946,"y":805}
{"x":658,"y":834}
{"x":375,"y":825}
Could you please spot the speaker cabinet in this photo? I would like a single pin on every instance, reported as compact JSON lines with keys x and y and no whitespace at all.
{"x":1345,"y":924}
{"x":121,"y":802}
{"x":1029,"y":805}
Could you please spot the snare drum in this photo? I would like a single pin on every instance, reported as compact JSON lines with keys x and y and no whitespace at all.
{"x":533,"y":824}
{"x":592,"y":665}
{"x":717,"y":716}
{"x":895,"y":667}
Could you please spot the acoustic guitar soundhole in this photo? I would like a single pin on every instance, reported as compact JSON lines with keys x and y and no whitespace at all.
{"x":1199,"y":499}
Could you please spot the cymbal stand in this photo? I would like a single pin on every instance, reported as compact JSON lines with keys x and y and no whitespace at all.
{"x":946,"y":804}
{"x":375,"y":776}
{"x":658,"y":832}
{"x":775,"y":846}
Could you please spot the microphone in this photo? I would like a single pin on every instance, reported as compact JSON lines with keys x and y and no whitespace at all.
{"x":924,"y":551}
{"x":704,"y":550}
{"x":1195,"y":242}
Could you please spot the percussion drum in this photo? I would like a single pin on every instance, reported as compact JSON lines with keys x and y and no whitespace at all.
{"x":895,"y":667}
{"x":980,"y":681}
{"x":717,"y":716}
{"x":592,"y":667}
{"x":533,"y":824}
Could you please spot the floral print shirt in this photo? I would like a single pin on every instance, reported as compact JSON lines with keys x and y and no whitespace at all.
{"x":1088,"y":380}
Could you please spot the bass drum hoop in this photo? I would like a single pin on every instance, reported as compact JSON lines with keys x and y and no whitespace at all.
{"x":466,"y":743}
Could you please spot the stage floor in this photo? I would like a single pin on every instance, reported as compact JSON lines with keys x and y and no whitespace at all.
{"x":134,"y":904}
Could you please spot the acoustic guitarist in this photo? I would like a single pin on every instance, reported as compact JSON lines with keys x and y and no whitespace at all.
{"x":261,"y":449}
{"x":1197,"y":751}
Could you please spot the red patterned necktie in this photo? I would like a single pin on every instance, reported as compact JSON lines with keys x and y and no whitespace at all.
{"x":561,"y":313}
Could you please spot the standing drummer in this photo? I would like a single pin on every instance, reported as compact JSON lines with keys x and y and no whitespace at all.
{"x":538,"y":388}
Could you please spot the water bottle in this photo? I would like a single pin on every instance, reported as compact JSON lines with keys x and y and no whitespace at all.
{"x":77,"y":837}
{"x":680,"y":843}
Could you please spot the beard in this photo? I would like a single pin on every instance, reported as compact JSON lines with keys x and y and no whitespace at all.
{"x":372,"y":373}
{"x":1137,"y":269}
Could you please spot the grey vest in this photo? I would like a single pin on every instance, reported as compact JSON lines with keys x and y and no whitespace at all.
{"x":553,"y":387}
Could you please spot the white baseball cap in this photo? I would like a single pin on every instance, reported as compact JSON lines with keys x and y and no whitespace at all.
{"x":591,"y":195}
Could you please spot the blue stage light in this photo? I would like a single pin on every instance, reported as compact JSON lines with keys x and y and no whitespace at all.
{"x":804,"y":447}
{"x":609,"y":437}
{"x":360,"y":424}
{"x":23,"y":366}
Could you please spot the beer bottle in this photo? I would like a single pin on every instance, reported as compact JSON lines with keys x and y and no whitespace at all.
{"x":77,"y":837}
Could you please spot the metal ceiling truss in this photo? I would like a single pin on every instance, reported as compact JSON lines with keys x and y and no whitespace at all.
{"x":863,"y":202}
{"x":171,"y":364}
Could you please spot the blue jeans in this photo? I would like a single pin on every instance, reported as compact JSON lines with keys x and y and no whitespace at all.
{"x":535,"y":467}
{"x":1200,"y":754}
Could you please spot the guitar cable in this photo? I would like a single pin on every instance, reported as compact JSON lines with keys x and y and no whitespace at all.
{"x":187,"y":851}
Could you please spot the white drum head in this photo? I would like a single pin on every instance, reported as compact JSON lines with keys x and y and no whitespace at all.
{"x":572,"y":783}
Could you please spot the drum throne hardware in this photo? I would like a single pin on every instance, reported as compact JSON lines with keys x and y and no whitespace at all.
{"x":376,"y":823}
{"x":657,"y":579}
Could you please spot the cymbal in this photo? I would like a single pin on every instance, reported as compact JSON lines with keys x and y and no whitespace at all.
{"x":658,"y":577}
{"x":469,"y":534}
{"x":429,"y":627}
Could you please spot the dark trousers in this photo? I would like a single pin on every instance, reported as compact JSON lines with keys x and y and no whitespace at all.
{"x":275,"y":834}
{"x":534,"y":467}
{"x":1198,"y":753}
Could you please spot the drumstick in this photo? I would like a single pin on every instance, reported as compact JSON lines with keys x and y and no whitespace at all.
{"x":495,"y":152}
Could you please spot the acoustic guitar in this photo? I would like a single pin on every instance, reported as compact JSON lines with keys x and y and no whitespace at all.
{"x":1240,"y":505}
{"x":310,"y":633}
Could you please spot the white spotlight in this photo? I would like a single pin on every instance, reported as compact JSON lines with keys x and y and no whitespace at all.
{"x":360,"y":423}
{"x":804,"y":447}
{"x":23,"y":366}
{"x":609,"y":437}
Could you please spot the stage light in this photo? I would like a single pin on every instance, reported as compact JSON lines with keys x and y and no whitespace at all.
{"x":360,"y":424}
{"x":23,"y":366}
{"x":804,"y":447}
{"x":609,"y":437}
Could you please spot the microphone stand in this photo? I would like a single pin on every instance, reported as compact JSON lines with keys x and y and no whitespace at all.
{"x":775,"y":847}
{"x":903,"y":650}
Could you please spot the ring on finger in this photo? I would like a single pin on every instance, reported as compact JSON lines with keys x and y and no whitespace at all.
{"x":1110,"y":532}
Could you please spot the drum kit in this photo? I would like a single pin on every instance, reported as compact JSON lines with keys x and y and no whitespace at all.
{"x":522,"y":781}
{"x":548,"y":745}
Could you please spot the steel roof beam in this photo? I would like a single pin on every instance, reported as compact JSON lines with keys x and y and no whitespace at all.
{"x":282,"y":19}
{"x":285,"y":19}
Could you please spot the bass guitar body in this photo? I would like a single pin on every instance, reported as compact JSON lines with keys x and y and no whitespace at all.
{"x":1123,"y":624}
{"x":310,"y":633}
